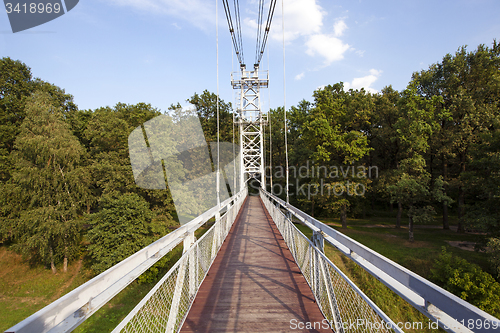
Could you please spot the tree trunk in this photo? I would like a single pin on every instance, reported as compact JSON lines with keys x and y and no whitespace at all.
{"x":461,"y":199}
{"x":391,"y":207}
{"x":52,"y":264}
{"x":65,"y":262}
{"x":343,"y":216}
{"x":446,"y":222}
{"x":398,"y":216}
{"x":461,"y":204}
{"x":410,"y":228}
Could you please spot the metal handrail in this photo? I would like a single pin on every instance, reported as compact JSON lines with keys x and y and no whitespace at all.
{"x":166,"y":306}
{"x":343,"y":304}
{"x":452,"y":313}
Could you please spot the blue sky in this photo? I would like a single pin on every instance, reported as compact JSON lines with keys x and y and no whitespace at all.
{"x":163,"y":51}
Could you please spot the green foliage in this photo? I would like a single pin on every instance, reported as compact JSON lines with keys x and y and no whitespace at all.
{"x":469,"y":84}
{"x":161,"y":267}
{"x":494,"y":251}
{"x":206,"y":108}
{"x":48,"y":188}
{"x":121,"y":227}
{"x":15,"y":87}
{"x":331,"y":133}
{"x":468,"y":281}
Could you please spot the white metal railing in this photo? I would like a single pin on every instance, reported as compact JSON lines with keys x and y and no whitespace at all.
{"x":447,"y":310}
{"x":165,"y":307}
{"x":343,"y":304}
{"x":69,"y":311}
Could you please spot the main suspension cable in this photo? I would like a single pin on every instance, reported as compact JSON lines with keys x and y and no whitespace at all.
{"x":261,"y":47}
{"x":259,"y":29}
{"x":235,"y":31}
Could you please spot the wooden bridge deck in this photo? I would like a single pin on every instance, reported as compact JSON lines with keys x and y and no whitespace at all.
{"x":254,"y":284}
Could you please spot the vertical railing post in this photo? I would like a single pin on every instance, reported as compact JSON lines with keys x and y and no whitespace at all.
{"x":193,"y":271}
{"x":215,"y":239}
{"x":332,"y":300}
{"x":174,"y":308}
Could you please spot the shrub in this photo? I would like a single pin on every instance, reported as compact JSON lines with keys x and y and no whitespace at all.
{"x":123,"y":226}
{"x":468,"y":281}
{"x":494,"y":251}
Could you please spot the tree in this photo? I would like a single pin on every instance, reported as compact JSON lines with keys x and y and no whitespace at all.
{"x":15,"y":87}
{"x":106,"y":134}
{"x":468,"y":281}
{"x":206,"y":108}
{"x":334,"y":131}
{"x":386,"y":151}
{"x":48,"y":185}
{"x":123,"y":226}
{"x":413,"y":186}
{"x":469,"y":85}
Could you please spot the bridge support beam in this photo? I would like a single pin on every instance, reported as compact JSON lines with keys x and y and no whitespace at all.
{"x":251,"y":122}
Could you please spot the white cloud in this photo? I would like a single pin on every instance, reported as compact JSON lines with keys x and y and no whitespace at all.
{"x":299,"y":76}
{"x":360,"y":53}
{"x":329,"y":47}
{"x":302,"y":18}
{"x":200,"y":13}
{"x":364,"y":82}
{"x":339,"y":27}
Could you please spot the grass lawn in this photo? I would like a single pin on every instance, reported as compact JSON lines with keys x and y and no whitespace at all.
{"x":25,"y":290}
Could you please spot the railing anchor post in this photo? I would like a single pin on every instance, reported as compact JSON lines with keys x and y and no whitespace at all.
{"x":318,"y":240}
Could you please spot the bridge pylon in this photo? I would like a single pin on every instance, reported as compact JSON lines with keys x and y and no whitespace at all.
{"x":251,"y":121}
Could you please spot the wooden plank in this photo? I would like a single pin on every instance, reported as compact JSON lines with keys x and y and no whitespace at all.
{"x":254,"y":284}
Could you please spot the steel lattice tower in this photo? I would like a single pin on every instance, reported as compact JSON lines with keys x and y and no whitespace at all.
{"x":251,"y":122}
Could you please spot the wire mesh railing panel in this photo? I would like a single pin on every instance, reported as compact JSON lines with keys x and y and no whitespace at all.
{"x":154,"y":318}
{"x":165,"y":307}
{"x":342,"y":303}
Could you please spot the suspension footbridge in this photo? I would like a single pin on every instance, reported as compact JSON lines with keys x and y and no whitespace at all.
{"x":253,"y":270}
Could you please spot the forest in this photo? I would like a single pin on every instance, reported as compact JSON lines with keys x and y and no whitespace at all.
{"x":67,"y":189}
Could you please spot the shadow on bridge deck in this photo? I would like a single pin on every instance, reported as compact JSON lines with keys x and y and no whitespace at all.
{"x":254,"y":284}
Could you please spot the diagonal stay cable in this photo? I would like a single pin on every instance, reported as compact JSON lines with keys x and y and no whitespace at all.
{"x":270,"y":15}
{"x":259,"y":30}
{"x":235,"y":31}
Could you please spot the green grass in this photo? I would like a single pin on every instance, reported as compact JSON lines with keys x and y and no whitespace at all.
{"x":417,"y":256}
{"x":25,"y":290}
{"x":386,"y":218}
